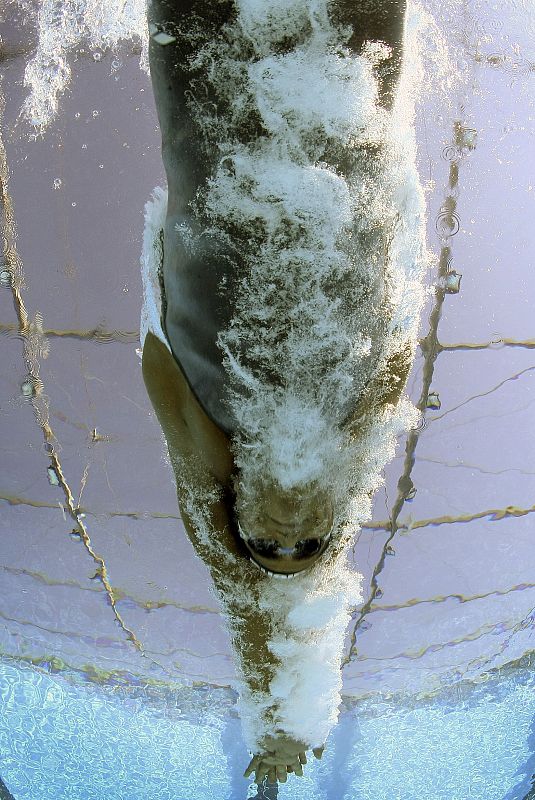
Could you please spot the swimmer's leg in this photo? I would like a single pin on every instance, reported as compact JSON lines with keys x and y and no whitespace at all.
{"x":194,"y":308}
{"x":376,"y":21}
{"x":191,"y":23}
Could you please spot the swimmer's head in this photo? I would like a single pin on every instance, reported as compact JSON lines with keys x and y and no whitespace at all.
{"x":284,"y":530}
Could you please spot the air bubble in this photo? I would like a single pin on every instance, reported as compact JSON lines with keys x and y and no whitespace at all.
{"x":451,"y":152}
{"x":163,"y":38}
{"x":53,"y":478}
{"x":447,"y":224}
{"x":452,"y":283}
{"x":6,"y":278}
{"x":433,"y":401}
{"x":27,"y":388}
{"x":493,"y":25}
{"x":421,"y":424}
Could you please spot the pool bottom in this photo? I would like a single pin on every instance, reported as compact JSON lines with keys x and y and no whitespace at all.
{"x":60,"y":741}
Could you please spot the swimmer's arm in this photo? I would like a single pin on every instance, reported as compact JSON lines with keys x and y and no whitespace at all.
{"x":189,"y":433}
{"x":195,"y":443}
{"x":278,"y":754}
{"x":390,"y":383}
{"x":384,"y":390}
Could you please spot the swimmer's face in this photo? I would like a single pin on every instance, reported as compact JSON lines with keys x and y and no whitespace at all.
{"x":285,"y":531}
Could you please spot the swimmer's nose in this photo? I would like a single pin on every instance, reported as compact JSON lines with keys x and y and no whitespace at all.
{"x":285,"y":533}
{"x":289,"y":529}
{"x":308,"y":534}
{"x":286,"y":539}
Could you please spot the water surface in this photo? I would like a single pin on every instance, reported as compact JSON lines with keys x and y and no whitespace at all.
{"x":117,"y":675}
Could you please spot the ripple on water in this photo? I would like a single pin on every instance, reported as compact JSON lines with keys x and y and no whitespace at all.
{"x":511,"y":65}
{"x":447,"y":223}
{"x":421,"y":425}
{"x":451,"y":152}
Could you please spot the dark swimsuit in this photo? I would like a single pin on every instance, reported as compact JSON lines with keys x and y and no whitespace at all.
{"x":199,"y":283}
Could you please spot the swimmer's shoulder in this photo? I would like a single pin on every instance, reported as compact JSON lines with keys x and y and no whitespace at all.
{"x":190,"y":433}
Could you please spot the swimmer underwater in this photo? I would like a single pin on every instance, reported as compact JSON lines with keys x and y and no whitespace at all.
{"x":275,"y":329}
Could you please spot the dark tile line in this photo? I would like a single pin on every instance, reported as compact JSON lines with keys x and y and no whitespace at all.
{"x":447,"y":225}
{"x":98,"y":334}
{"x":31,"y":333}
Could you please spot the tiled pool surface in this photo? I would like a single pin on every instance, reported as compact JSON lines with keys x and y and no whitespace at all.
{"x":105,"y":636}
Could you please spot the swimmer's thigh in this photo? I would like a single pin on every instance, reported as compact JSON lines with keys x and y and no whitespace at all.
{"x":191,"y":23}
{"x":375,"y":21}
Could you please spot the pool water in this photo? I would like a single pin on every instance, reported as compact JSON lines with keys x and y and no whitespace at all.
{"x":62,"y":740}
{"x":117,"y":673}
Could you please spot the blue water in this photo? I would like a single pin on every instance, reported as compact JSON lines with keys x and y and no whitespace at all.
{"x":87,"y":742}
{"x":65,"y":739}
